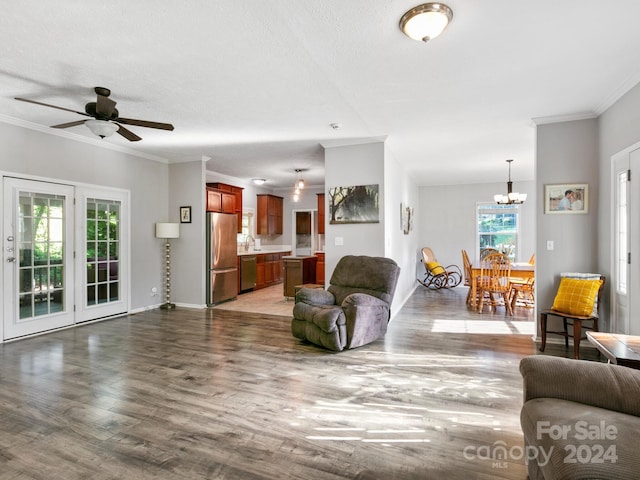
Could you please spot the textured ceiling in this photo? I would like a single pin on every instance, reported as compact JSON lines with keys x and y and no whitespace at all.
{"x":254,"y":85}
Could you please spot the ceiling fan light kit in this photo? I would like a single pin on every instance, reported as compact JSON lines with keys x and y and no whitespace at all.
{"x":425,"y":22}
{"x":101,"y":128}
{"x":106,"y":119}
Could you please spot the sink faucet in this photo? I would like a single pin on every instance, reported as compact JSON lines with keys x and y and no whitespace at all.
{"x":246,"y":242}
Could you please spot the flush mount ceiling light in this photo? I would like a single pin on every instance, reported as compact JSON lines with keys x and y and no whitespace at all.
{"x":425,"y":22}
{"x":102,"y":128}
{"x":258,"y":181}
{"x":511,"y":197}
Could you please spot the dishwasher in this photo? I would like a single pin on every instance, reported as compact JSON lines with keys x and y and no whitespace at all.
{"x":248,"y":267}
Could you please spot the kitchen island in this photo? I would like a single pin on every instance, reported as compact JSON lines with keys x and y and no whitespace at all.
{"x":298,"y":270}
{"x":266,"y":270}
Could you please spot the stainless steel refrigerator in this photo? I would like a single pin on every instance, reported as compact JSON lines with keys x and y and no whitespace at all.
{"x":222,"y":257}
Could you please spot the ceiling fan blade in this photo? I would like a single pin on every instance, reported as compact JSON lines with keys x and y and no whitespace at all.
{"x":144,"y":123}
{"x":105,"y":106}
{"x":128,"y":134}
{"x":52,"y":106}
{"x":69,"y":124}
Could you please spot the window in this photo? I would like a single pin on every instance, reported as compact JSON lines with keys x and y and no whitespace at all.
{"x":498,"y":228}
{"x":248,"y":228}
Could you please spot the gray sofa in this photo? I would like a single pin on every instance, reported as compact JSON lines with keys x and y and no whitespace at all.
{"x":586,"y":414}
{"x":354,"y":310}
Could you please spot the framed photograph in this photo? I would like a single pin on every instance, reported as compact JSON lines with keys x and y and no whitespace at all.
{"x":566,"y":198}
{"x":185,"y":214}
{"x":357,"y":204}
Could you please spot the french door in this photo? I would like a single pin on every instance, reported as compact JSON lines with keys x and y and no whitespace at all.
{"x":65,"y":255}
{"x":626,"y":243}
{"x":38,"y":292}
{"x":101,"y":253}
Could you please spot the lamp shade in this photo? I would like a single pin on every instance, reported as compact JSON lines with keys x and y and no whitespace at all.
{"x":167,"y":230}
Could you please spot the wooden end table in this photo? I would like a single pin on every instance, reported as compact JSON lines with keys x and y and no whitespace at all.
{"x":619,"y":349}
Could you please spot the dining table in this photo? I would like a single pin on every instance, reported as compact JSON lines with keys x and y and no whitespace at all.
{"x":518,"y":270}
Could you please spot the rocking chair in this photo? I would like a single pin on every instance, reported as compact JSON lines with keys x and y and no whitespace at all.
{"x":437,"y":276}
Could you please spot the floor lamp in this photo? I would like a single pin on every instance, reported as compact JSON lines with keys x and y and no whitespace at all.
{"x":167,"y":231}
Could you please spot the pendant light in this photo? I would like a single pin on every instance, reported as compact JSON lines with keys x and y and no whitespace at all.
{"x":298,"y":185}
{"x":511,"y":197}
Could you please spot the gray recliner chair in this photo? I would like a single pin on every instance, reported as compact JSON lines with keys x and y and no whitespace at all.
{"x":354,"y":310}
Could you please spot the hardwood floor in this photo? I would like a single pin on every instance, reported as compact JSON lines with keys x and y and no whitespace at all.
{"x":217,"y":394}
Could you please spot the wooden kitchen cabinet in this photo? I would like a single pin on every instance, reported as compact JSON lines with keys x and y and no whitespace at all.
{"x":320,"y":268}
{"x":230,"y":201}
{"x":269,"y":269}
{"x":214,"y":200}
{"x":321,"y":213}
{"x":221,"y":202}
{"x":270,"y":214}
{"x":303,"y":223}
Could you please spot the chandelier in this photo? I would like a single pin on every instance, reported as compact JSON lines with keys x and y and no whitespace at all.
{"x":511,"y":197}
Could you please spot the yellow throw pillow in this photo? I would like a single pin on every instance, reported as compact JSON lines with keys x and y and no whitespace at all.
{"x":576,"y":296}
{"x":435,"y":268}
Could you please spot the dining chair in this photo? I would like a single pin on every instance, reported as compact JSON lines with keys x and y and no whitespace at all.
{"x":466,"y":266}
{"x":487,"y":251}
{"x":577,"y":302}
{"x":522,"y":292}
{"x":495,"y":272}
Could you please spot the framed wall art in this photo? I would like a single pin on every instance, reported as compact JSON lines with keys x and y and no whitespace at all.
{"x":406,"y":218}
{"x":185,"y":214}
{"x":357,"y":204}
{"x":566,"y":198}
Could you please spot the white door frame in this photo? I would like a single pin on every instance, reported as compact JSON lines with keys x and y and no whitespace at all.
{"x":621,"y":315}
{"x":126,"y":242}
{"x":13,"y":325}
{"x":84,"y":312}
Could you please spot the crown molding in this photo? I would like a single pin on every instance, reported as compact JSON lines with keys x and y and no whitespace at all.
{"x":79,"y":138}
{"x":564,"y":118}
{"x":617,"y":94}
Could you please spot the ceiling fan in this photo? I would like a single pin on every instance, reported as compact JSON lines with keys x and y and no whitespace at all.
{"x":106,"y":118}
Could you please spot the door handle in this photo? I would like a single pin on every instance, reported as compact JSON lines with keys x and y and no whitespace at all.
{"x":11,"y":259}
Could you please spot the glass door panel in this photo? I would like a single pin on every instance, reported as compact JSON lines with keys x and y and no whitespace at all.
{"x":38,"y":283}
{"x":103,"y":253}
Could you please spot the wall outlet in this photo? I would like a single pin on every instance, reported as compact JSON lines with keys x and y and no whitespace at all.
{"x":339,"y":241}
{"x":154,"y":292}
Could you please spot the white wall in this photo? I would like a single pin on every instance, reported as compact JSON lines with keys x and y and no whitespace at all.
{"x":25,"y":151}
{"x":347,"y":166}
{"x":369,"y":164}
{"x":399,"y":189}
{"x":447,"y":219}
{"x":188,"y":253}
{"x":567,"y":152}
{"x":619,"y":128}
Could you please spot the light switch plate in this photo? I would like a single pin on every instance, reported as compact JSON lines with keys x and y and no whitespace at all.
{"x":339,"y":241}
{"x":549,"y":244}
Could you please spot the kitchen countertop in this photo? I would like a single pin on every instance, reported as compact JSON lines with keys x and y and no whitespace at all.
{"x":264,"y":251}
